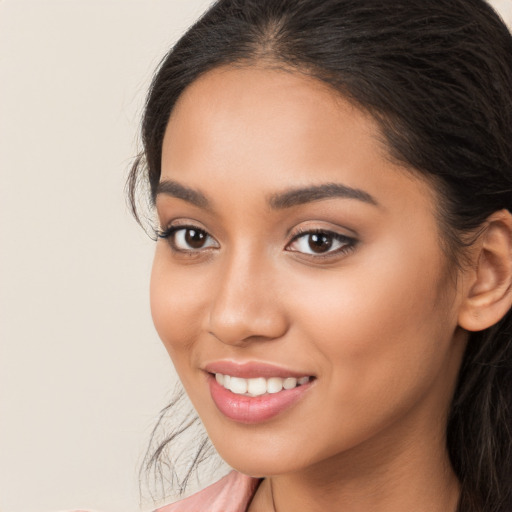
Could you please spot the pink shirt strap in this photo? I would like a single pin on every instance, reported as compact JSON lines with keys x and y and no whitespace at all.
{"x":233,"y":493}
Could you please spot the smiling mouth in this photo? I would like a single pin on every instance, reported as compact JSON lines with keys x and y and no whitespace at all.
{"x":259,"y":386}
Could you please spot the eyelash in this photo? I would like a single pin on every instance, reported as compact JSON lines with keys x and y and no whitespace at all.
{"x":348,"y":243}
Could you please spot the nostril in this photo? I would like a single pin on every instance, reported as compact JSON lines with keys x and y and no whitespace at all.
{"x":247,"y":326}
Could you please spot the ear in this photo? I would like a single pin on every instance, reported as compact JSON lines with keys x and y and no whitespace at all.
{"x":488,"y":294}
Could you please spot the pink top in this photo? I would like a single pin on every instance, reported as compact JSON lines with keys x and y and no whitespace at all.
{"x":233,"y":493}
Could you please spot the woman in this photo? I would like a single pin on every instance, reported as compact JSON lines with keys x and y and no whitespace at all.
{"x":333,"y":272}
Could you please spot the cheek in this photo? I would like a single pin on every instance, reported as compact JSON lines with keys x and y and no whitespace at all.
{"x":379,"y":325}
{"x":176,"y":304}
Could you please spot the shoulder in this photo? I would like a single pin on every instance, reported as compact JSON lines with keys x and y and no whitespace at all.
{"x":232,"y":493}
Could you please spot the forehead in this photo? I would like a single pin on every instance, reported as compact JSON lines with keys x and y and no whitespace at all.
{"x":266,"y":111}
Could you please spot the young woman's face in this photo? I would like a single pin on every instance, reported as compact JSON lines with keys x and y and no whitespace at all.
{"x":295,"y":253}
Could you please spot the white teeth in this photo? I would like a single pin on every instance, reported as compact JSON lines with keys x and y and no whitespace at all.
{"x":258,"y":386}
{"x":274,"y":385}
{"x":237,"y":385}
{"x":290,"y":383}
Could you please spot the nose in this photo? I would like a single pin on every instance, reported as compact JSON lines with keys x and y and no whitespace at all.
{"x":246,"y":304}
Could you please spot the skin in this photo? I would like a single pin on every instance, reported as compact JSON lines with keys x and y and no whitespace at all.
{"x":376,"y":322}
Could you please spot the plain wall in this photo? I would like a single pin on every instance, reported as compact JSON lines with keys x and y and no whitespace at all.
{"x":82,"y":373}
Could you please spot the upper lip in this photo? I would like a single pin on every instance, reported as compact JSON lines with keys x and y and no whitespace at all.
{"x":251,"y":369}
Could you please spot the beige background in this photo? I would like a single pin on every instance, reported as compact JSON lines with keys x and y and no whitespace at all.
{"x":82,"y":374}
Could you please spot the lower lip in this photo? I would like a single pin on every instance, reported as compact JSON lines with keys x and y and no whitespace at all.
{"x":248,"y":409}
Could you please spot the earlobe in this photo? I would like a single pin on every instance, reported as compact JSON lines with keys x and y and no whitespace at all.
{"x":488,"y":295}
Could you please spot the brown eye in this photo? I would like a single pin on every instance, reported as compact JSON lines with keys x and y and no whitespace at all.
{"x":188,"y":239}
{"x":319,"y":242}
{"x":194,"y":238}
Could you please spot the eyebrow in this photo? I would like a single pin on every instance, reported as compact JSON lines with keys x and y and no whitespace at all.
{"x":278,"y":201}
{"x":175,"y":189}
{"x":297,"y":196}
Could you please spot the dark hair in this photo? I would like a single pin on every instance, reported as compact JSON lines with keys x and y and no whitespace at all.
{"x":437,"y":77}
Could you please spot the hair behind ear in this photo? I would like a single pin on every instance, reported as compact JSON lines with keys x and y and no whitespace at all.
{"x":479,"y":433}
